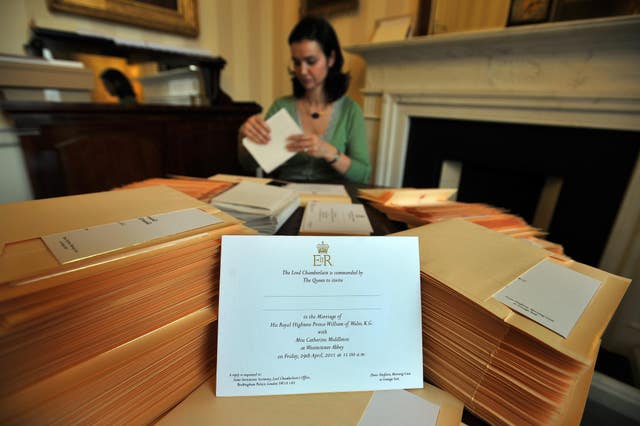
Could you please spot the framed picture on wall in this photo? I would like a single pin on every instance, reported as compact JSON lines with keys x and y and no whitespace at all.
{"x":326,"y":7}
{"x":392,"y":29}
{"x":529,"y":11}
{"x":174,"y":16}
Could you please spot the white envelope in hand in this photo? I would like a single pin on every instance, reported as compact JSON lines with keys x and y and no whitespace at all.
{"x":274,"y":153}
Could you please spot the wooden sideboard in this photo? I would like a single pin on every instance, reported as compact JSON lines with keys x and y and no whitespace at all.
{"x":75,"y":148}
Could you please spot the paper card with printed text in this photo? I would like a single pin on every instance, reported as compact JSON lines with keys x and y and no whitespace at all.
{"x":318,"y":314}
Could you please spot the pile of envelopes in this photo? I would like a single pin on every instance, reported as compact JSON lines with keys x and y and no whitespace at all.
{"x":505,"y":367}
{"x":202,"y":189}
{"x":417,"y":207}
{"x":116,"y":337}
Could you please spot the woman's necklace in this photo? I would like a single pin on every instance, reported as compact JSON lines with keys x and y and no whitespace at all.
{"x":316,"y":114}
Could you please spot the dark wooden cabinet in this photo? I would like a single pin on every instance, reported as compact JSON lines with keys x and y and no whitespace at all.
{"x":79,"y":148}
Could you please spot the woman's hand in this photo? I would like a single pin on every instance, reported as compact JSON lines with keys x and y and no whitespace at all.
{"x":256,"y":129}
{"x":311,"y":145}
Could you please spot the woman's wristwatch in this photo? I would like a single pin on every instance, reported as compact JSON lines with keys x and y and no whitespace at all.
{"x":336,"y":157}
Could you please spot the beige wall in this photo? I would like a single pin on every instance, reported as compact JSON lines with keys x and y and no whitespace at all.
{"x":352,"y":28}
{"x":251,"y":35}
{"x":357,"y":29}
{"x":240,"y":31}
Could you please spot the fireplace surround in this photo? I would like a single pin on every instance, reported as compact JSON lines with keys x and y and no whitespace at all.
{"x":580,"y":74}
{"x":575,"y":74}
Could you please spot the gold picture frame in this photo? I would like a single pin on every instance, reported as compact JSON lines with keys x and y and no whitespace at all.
{"x":175,"y":16}
{"x":327,"y":7}
{"x":392,"y":28}
{"x":529,"y":11}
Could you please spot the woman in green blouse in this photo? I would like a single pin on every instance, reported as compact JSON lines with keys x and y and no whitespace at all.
{"x":334,"y":143}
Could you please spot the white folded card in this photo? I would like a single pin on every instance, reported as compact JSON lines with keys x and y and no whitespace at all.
{"x":274,"y":153}
{"x":318,"y":314}
{"x":335,"y":218}
{"x":550,"y":294}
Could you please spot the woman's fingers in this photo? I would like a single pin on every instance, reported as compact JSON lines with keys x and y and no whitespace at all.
{"x":298,"y":143}
{"x":262,"y":128}
{"x":308,"y":144}
{"x":256,"y":129}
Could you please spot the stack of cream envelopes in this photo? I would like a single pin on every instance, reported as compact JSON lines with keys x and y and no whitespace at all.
{"x":505,"y":366}
{"x":264,"y":208}
{"x":418,"y":207}
{"x":107,"y":304}
{"x":200,"y":188}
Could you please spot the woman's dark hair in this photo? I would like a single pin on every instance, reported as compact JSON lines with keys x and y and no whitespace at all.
{"x":119,"y":82}
{"x":321,"y":31}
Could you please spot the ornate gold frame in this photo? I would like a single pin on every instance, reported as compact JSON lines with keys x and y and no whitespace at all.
{"x":183,"y":20}
{"x":327,"y":7}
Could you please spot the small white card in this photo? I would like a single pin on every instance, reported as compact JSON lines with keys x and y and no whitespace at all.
{"x":335,"y":218}
{"x":399,"y":407}
{"x":318,"y":314}
{"x":274,"y":153}
{"x":550,"y":294}
{"x":82,"y":243}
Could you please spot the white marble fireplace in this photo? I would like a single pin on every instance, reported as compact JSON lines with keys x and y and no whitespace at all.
{"x":575,"y":73}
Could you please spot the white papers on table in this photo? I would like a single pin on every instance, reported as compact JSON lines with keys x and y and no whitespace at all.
{"x":335,"y":219}
{"x":273,"y":154}
{"x":263,"y":207}
{"x":399,"y":407}
{"x":310,"y":314}
{"x":551,"y":295}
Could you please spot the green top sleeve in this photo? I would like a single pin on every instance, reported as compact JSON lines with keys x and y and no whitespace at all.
{"x":285,"y":103}
{"x":354,"y":137}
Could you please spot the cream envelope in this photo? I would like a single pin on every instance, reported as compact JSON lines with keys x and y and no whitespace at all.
{"x":476,"y":262}
{"x":237,"y":178}
{"x":374,"y":194}
{"x":345,"y":408}
{"x":406,"y":197}
{"x":326,"y":193}
{"x":24,"y":255}
{"x":418,"y":197}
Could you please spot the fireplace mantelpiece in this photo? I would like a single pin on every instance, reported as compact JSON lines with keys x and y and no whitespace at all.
{"x":575,"y":73}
